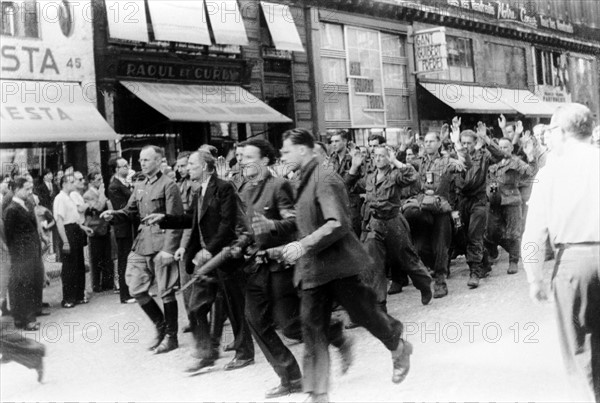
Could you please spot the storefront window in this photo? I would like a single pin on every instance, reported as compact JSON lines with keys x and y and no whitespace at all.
{"x":397,"y":107}
{"x":392,"y":46}
{"x":394,"y":76}
{"x":505,"y":65}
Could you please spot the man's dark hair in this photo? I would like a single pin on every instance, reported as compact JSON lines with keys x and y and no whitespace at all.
{"x":184,"y":154}
{"x":300,"y":136}
{"x":378,"y":137}
{"x":266,"y":148}
{"x":156,"y":149}
{"x":47,"y":171}
{"x":18,"y":183}
{"x":112,"y":164}
{"x":322,"y":145}
{"x":415,"y":149}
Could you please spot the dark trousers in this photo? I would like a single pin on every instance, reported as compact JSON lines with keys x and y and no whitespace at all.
{"x":202,"y":297}
{"x":101,"y":263}
{"x":123,"y":249}
{"x":25,"y":287}
{"x":388,"y":242}
{"x":576,"y":288}
{"x":22,"y":350}
{"x":73,"y":265}
{"x":504,"y":228}
{"x":432,"y":235}
{"x":360,"y":303}
{"x":474,"y":216}
{"x":272,"y":300}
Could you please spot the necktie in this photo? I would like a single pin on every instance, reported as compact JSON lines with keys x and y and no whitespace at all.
{"x":200,"y":201}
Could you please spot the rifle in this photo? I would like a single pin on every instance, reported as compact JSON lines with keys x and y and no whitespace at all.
{"x":225,"y":255}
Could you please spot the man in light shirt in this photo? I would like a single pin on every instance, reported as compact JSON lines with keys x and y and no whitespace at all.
{"x":564,"y":206}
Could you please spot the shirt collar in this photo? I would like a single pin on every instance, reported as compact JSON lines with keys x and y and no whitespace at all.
{"x":20,"y":202}
{"x":154,"y":178}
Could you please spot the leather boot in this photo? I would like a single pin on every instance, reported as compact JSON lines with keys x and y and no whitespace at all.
{"x":473,"y":280}
{"x":440,"y":289}
{"x":169,"y":342}
{"x":401,"y":361}
{"x":513,"y":268}
{"x":156,"y":316}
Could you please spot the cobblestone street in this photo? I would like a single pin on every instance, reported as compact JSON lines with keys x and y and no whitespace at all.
{"x":488,"y":344}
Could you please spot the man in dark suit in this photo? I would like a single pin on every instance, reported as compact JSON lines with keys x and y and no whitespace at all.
{"x":46,"y":190}
{"x":26,"y":278}
{"x":214,"y":219}
{"x":119,"y":193}
{"x":329,"y":257}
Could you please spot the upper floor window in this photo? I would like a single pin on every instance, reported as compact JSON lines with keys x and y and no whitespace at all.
{"x":19,"y":19}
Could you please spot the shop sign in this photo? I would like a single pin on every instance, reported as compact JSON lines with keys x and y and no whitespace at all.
{"x":549,"y":93}
{"x":553,"y":23}
{"x":154,"y":70}
{"x":49,"y":41}
{"x":498,"y":9}
{"x":430,"y":50}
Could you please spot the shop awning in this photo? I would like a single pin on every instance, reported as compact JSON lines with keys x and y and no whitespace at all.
{"x":127,"y":20}
{"x":41,"y":111}
{"x":282,"y":27}
{"x":179,"y":21}
{"x":226,"y":22}
{"x":469,"y":99}
{"x":205,"y":103}
{"x":527,"y":103}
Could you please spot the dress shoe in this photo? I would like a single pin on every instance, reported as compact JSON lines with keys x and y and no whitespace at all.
{"x":513,"y":268}
{"x":473,"y":281}
{"x":169,"y":343}
{"x":229,"y":347}
{"x":65,"y":304}
{"x":128,"y":301}
{"x":395,"y":288}
{"x":82,"y":301}
{"x":238,"y":363}
{"x":346,"y":354}
{"x":426,"y":296}
{"x":401,"y":361}
{"x":294,"y":386}
{"x":45,"y":305}
{"x":200,"y":365}
{"x":440,"y":290}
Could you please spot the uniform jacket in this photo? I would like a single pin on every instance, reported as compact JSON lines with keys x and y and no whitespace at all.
{"x":154,"y":195}
{"x":214,"y":225}
{"x":119,"y":195}
{"x":332,"y":249}
{"x":474,"y":180}
{"x":439,"y":170}
{"x":384,"y":196}
{"x":505,"y":177}
{"x":274,"y":198}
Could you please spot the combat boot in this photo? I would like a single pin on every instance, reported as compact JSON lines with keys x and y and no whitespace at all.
{"x":156,"y":316}
{"x":169,"y":342}
{"x":473,"y":280}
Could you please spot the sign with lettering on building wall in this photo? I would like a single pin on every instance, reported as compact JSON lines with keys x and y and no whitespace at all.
{"x":47,"y":40}
{"x":430,"y":50}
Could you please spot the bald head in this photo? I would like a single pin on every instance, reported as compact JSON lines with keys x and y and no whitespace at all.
{"x":575,"y":121}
